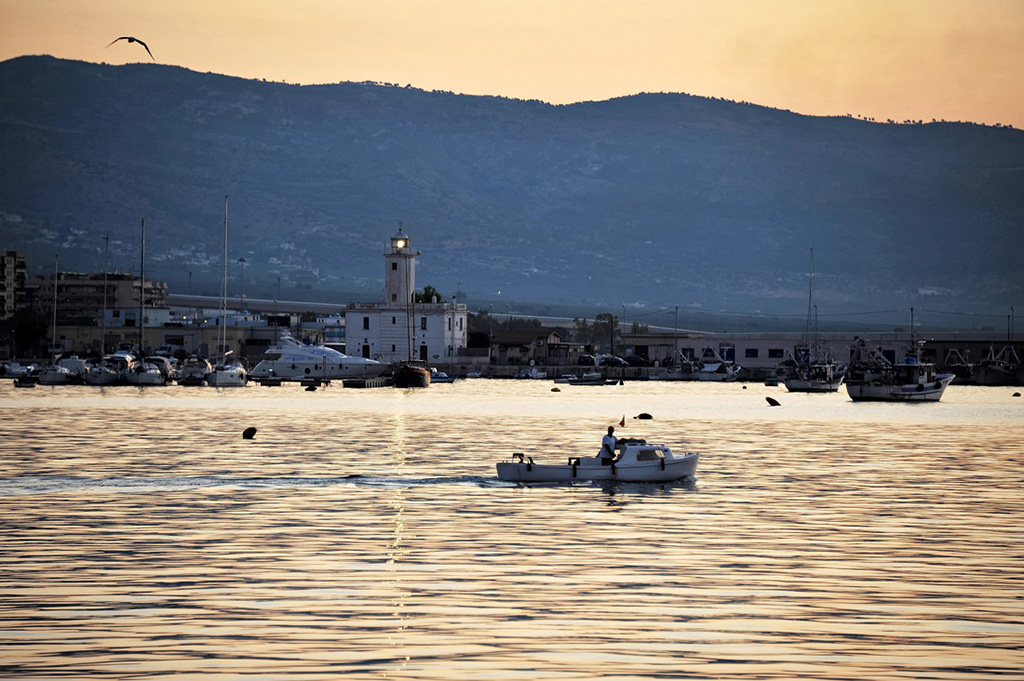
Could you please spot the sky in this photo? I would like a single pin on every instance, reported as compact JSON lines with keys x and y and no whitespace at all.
{"x":957,"y":60}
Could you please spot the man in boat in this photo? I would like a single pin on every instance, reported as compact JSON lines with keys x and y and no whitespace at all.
{"x":608,"y":443}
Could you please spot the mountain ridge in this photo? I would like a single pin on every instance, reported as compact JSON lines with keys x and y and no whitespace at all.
{"x":655,"y":199}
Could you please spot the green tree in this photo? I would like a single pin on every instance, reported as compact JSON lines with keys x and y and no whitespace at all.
{"x":428,"y":296}
{"x":606,"y":332}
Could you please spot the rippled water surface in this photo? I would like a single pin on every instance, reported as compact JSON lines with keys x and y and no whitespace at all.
{"x":363,"y":534}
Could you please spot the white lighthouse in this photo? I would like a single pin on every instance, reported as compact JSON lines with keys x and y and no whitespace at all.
{"x":399,"y":271}
{"x":398,"y":328}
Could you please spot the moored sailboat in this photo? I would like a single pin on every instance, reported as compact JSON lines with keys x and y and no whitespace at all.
{"x":229,"y":372}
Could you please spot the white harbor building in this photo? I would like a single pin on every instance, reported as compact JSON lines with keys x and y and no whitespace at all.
{"x":398,"y":328}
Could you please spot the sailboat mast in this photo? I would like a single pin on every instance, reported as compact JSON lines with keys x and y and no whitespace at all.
{"x":222,"y":339}
{"x":103,"y":332}
{"x":56,"y":271}
{"x":142,"y":295}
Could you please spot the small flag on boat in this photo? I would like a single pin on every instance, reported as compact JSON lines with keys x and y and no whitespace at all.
{"x":622,"y":421}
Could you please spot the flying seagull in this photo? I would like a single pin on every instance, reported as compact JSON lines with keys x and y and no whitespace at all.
{"x":134,"y":40}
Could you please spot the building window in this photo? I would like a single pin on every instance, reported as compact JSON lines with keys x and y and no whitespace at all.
{"x":776,"y":353}
{"x":423,"y":323}
{"x":750,"y":353}
{"x":394,"y":265}
{"x":394,"y":297}
{"x":394,"y":321}
{"x":366,"y":322}
{"x":392,"y":347}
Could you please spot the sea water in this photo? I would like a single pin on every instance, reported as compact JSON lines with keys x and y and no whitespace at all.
{"x":363,"y":534}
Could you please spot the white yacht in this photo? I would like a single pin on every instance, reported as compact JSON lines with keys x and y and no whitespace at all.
{"x":110,"y":370}
{"x":64,"y":371}
{"x":144,"y":373}
{"x":291,"y":360}
{"x":228,"y":373}
{"x":193,"y":371}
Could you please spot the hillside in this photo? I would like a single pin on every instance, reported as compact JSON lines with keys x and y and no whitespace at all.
{"x":656,"y":199}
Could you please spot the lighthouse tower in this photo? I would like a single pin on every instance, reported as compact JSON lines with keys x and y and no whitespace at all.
{"x":399,"y":271}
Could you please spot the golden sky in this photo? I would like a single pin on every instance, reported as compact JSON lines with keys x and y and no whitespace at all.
{"x":885,"y":59}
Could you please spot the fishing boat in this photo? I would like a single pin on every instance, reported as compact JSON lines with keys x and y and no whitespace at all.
{"x":291,"y":360}
{"x":811,"y":368}
{"x":806,"y":372}
{"x":411,"y":374}
{"x":998,"y":369}
{"x":871,"y":376}
{"x":228,"y":372}
{"x":638,"y":461}
{"x":958,"y":364}
{"x":712,"y":366}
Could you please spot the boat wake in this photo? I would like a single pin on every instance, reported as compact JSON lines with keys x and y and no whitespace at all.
{"x":61,"y":484}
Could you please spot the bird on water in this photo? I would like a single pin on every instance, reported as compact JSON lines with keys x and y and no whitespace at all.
{"x":133,"y":40}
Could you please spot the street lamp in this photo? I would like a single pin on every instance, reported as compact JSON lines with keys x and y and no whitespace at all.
{"x":622,"y":334}
{"x":241,"y":285}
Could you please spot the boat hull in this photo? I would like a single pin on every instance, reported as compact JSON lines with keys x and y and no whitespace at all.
{"x":145,"y":378}
{"x":56,"y":377}
{"x":803,"y":385}
{"x":230,"y":377}
{"x":887,"y":392}
{"x":102,"y":377}
{"x":407,"y":376}
{"x":655,"y":471}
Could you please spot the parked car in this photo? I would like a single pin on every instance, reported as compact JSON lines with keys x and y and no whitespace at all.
{"x":637,"y":361}
{"x":585,"y":360}
{"x":613,"y":361}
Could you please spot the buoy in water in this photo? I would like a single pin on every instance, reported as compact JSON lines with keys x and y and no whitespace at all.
{"x":310,"y":388}
{"x":249,"y":433}
{"x":556,"y":390}
{"x":644,"y":416}
{"x":772,"y":402}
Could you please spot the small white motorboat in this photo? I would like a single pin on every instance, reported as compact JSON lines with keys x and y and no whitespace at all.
{"x":193,"y":371}
{"x":227,"y":374}
{"x":440,"y":376}
{"x":143,"y":374}
{"x":638,"y":461}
